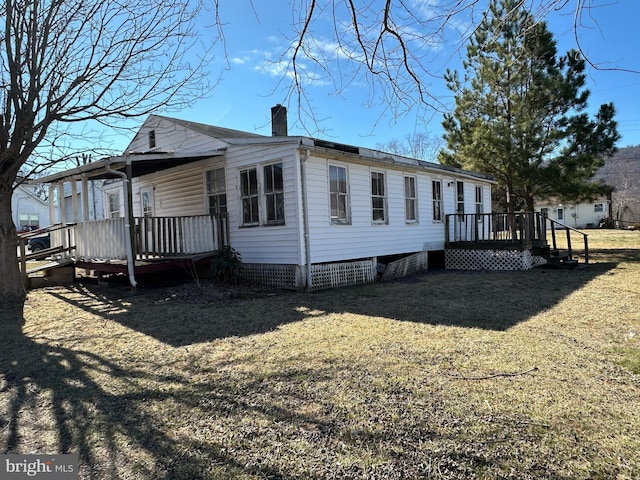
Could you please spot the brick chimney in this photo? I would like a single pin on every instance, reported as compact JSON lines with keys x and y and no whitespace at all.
{"x":279,"y":121}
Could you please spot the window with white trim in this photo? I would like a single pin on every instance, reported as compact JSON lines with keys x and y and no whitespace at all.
{"x":560,"y":214}
{"x":152,"y":139}
{"x":378,"y":198}
{"x":436,"y":189}
{"x":338,"y":195}
{"x":249,"y":197}
{"x":410,"y":199}
{"x":598,"y":207}
{"x":274,"y":193}
{"x":216,"y":191}
{"x":114,"y":205}
{"x":479,"y":204}
{"x":460,"y":200}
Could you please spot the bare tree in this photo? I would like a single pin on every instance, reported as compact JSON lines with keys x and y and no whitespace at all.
{"x":65,"y":62}
{"x":394,"y":47}
{"x":419,"y":145}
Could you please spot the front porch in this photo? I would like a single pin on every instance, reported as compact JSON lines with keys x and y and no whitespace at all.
{"x":503,"y":241}
{"x":157,"y":244}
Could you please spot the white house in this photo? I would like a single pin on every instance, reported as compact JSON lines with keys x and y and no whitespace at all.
{"x":301,"y":212}
{"x":575,"y":214}
{"x":28,"y":209}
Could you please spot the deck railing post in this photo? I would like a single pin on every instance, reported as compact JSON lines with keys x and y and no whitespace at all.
{"x":586,"y":248}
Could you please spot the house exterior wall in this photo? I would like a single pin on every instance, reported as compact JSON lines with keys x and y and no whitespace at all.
{"x":171,"y":137}
{"x":362,"y":237}
{"x":182,"y":191}
{"x":576,"y":215}
{"x":28,"y":209}
{"x":274,"y":244}
{"x":95,"y":200}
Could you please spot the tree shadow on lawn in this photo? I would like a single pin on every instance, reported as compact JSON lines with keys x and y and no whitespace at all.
{"x":125,"y":422}
{"x":51,"y":403}
{"x":485,"y":300}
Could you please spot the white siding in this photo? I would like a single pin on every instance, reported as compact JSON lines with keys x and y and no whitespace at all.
{"x":24,"y":202}
{"x":362,"y":238}
{"x":171,"y":137}
{"x":277,"y":244}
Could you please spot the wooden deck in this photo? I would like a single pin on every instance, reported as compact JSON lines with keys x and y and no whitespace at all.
{"x":158,"y":244}
{"x":519,"y":231}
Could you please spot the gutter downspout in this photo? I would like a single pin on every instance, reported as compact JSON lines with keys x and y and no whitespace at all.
{"x":305,"y":215}
{"x":127,"y":225}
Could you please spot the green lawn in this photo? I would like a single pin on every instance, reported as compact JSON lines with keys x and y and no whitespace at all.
{"x":444,"y":375}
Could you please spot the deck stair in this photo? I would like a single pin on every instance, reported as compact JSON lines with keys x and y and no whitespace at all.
{"x":555,"y":257}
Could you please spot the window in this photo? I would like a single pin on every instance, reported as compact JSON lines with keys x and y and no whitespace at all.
{"x":28,"y":219}
{"x":560,"y":214}
{"x":436,"y":187}
{"x":216,"y":191}
{"x":410,"y":200}
{"x":460,"y":200}
{"x":249,"y":196}
{"x":378,"y":198}
{"x":146,"y":199}
{"x":338,"y":195}
{"x":114,"y":205}
{"x":479,"y":204}
{"x":598,"y":207}
{"x":274,"y":193}
{"x":152,"y":139}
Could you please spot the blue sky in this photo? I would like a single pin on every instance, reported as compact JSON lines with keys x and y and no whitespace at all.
{"x":253,"y":78}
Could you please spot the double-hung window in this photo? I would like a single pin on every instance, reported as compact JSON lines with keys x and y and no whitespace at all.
{"x":436,"y":188}
{"x":460,"y":200}
{"x":410,"y":200}
{"x":479,"y":204}
{"x":274,"y":194}
{"x":378,"y":198}
{"x":114,"y":205}
{"x":338,"y":195}
{"x":216,"y":191}
{"x":598,"y":207}
{"x":249,"y":197}
{"x":262,"y":195}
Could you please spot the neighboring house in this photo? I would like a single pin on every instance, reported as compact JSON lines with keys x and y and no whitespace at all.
{"x":574,"y":214}
{"x":28,"y":209}
{"x":300,"y":211}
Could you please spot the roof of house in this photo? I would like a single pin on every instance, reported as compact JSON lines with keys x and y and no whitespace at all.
{"x":147,"y":162}
{"x":211,"y":130}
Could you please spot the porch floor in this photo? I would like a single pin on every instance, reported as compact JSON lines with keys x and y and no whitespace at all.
{"x":146,"y":265}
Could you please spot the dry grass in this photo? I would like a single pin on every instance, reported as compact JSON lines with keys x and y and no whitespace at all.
{"x":446,"y":375}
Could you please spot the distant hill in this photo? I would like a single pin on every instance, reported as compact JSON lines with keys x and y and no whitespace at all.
{"x":622,"y":172}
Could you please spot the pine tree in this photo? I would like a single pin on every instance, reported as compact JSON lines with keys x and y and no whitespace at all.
{"x":520,"y":112}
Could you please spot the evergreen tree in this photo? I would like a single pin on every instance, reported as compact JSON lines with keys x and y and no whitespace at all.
{"x":520,"y":112}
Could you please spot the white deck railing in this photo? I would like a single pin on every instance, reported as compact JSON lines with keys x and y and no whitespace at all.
{"x":154,"y":237}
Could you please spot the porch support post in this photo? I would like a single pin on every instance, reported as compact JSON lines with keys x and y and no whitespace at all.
{"x":61,"y":204}
{"x":74,"y":199}
{"x":131,"y":219}
{"x":52,"y":205}
{"x":85,"y":199}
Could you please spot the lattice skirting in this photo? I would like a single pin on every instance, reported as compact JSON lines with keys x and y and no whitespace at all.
{"x":333,"y":275}
{"x":283,"y":276}
{"x":488,"y":259}
{"x":406,"y":266}
{"x":323,"y":276}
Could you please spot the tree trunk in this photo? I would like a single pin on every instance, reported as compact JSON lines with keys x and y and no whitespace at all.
{"x":11,"y":285}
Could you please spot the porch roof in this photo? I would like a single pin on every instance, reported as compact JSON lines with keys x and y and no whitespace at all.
{"x":141,"y":164}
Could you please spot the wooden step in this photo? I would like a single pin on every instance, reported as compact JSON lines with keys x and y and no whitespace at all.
{"x":50,"y":265}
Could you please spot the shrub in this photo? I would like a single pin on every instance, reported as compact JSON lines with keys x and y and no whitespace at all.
{"x":225,"y":265}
